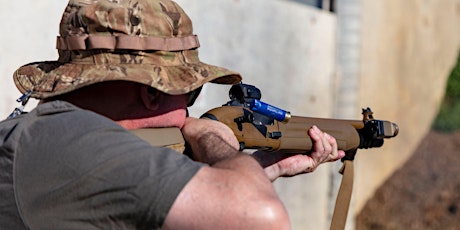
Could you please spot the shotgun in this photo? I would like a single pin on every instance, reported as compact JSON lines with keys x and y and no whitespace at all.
{"x":258,"y":125}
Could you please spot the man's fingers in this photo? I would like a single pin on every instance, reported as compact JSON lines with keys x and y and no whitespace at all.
{"x":335,"y":154}
{"x":325,"y":146}
{"x":328,"y":142}
{"x":332,"y":143}
{"x":318,"y":139}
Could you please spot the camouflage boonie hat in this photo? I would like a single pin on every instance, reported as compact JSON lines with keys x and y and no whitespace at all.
{"x":146,"y":41}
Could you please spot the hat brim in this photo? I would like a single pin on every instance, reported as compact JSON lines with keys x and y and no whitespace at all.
{"x":52,"y":78}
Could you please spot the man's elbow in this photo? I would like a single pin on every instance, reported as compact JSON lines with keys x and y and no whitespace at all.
{"x":271,"y":215}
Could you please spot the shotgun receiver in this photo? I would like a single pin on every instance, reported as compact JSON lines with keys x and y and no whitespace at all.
{"x":260,"y":126}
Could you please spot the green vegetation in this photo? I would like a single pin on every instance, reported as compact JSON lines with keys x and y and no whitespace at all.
{"x":448,"y":118}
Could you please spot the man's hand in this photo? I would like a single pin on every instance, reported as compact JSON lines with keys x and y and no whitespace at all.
{"x":285,"y":164}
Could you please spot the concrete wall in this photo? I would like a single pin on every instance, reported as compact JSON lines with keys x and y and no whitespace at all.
{"x":408,"y":50}
{"x":286,"y":49}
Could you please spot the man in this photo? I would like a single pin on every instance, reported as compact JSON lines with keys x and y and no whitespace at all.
{"x":71,"y":163}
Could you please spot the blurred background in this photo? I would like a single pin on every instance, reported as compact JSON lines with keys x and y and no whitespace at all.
{"x":321,"y":58}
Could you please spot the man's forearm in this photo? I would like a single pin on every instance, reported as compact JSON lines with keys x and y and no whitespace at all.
{"x":211,"y":149}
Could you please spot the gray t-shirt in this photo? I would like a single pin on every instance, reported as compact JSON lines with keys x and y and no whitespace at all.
{"x":74,"y":169}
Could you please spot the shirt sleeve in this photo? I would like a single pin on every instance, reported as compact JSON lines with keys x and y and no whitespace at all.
{"x":82,"y":171}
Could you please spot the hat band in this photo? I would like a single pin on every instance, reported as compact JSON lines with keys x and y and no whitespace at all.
{"x":126,"y":42}
{"x":158,"y":58}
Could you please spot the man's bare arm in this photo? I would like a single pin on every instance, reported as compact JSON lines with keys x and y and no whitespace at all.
{"x":232,"y":193}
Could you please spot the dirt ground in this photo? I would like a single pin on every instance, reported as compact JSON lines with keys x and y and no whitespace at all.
{"x":424,"y":194}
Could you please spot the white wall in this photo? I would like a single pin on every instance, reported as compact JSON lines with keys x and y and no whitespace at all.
{"x":285,"y":48}
{"x":29,"y":30}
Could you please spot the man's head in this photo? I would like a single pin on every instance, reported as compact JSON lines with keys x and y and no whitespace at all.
{"x":150,"y":42}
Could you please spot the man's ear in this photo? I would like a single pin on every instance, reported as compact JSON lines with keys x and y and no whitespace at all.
{"x":150,"y":97}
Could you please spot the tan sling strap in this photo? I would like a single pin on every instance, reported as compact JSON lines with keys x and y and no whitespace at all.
{"x":162,"y":137}
{"x":342,"y":204}
{"x":126,"y":42}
